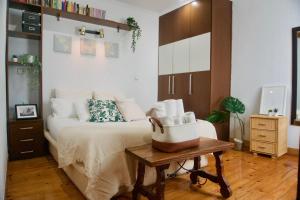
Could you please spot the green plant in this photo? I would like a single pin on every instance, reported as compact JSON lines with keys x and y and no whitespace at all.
{"x":136,"y":31}
{"x":229,"y":105}
{"x":35,"y":66}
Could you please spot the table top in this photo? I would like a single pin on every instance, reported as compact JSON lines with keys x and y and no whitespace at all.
{"x":152,"y":157}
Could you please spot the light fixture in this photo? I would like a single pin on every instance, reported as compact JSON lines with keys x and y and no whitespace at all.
{"x":195,"y":3}
{"x":83,"y":31}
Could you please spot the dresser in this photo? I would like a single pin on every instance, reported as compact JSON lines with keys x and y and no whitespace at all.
{"x":268,"y":135}
{"x":26,"y":139}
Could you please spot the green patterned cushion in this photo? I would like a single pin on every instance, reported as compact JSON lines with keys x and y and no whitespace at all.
{"x":104,"y":111}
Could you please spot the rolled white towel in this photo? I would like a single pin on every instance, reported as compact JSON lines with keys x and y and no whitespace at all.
{"x":180,"y":107}
{"x":171,"y":107}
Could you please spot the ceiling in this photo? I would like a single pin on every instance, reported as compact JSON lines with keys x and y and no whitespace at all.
{"x":156,"y":5}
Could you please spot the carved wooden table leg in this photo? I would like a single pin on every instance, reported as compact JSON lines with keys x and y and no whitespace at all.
{"x":160,"y":182}
{"x":225,"y":188}
{"x":194,"y":174}
{"x":139,"y":182}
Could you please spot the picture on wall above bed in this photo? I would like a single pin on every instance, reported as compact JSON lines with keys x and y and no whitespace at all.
{"x":62,"y":44}
{"x":111,"y":50}
{"x":87,"y":47}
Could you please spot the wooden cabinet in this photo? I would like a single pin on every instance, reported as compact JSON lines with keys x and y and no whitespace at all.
{"x":181,"y":57}
{"x":166,"y":59}
{"x":165,"y":87}
{"x":26,"y":139}
{"x":268,"y":135}
{"x":181,"y":23}
{"x":200,"y":17}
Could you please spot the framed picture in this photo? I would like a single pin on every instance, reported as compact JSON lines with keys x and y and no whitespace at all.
{"x":62,"y":44}
{"x":26,"y":111}
{"x":87,"y":47}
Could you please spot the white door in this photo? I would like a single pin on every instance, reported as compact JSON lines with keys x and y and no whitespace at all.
{"x":200,"y":53}
{"x":166,"y":59}
{"x":181,"y":56}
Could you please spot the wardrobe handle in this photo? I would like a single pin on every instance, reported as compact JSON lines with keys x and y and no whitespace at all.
{"x":190,"y":85}
{"x":173,"y":85}
{"x":169,"y":87}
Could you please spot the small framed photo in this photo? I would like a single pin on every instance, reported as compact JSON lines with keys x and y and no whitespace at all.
{"x":26,"y":111}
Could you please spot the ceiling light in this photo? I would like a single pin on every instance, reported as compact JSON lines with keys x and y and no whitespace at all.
{"x":195,"y":3}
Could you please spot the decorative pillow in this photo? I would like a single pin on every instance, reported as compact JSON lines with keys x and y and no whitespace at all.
{"x":82,"y":110}
{"x":131,"y":110}
{"x":62,"y":108}
{"x":104,"y":111}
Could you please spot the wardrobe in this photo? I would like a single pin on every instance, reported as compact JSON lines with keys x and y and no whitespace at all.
{"x":195,"y":57}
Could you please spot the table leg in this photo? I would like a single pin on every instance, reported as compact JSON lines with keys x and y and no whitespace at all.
{"x":139,"y":182}
{"x":194,"y":174}
{"x":225,"y":188}
{"x":160,"y":182}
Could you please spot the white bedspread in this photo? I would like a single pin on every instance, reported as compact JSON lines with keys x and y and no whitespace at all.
{"x":101,"y":151}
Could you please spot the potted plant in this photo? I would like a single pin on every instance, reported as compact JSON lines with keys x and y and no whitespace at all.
{"x":15,"y":58}
{"x":34,"y":63}
{"x":270,"y":111}
{"x":230,"y":106}
{"x":136,"y":31}
{"x":275,"y":111}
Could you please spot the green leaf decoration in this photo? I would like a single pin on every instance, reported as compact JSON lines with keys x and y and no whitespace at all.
{"x":136,"y":31}
{"x":233,"y":105}
{"x":218,"y":116}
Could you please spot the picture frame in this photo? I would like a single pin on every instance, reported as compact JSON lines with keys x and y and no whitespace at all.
{"x":26,"y":111}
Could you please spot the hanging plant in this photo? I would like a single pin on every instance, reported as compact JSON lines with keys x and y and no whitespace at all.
{"x":136,"y":31}
{"x":34,"y":63}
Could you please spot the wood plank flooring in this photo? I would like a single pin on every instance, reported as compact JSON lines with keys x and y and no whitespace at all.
{"x":251,"y":178}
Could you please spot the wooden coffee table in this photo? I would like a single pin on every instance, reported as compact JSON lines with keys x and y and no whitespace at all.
{"x":146,"y":155}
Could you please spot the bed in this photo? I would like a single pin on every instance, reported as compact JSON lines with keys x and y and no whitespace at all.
{"x":77,"y":147}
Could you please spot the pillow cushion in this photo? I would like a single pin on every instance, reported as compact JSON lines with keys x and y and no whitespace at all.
{"x":104,"y":111}
{"x":62,"y":108}
{"x":82,"y":110}
{"x":131,"y":110}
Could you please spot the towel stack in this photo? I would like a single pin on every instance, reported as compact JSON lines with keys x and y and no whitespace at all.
{"x":171,"y":112}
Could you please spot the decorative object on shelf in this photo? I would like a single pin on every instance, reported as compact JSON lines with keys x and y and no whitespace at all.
{"x":270,"y":112}
{"x":83,"y":31}
{"x":275,"y":111}
{"x":35,"y":64}
{"x":26,"y":111}
{"x":111,"y":50}
{"x":273,"y":97}
{"x":62,"y":43}
{"x":230,"y":105}
{"x":136,"y":31}
{"x":12,"y":27}
{"x":87,"y":47}
{"x":14,"y":58}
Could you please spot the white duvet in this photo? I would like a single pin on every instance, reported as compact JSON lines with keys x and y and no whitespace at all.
{"x":100,"y":148}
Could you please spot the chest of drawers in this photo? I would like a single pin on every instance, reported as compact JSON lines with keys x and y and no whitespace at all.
{"x":26,"y":139}
{"x":268,"y":135}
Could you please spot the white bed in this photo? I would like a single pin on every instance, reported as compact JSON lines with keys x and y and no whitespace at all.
{"x":59,"y":135}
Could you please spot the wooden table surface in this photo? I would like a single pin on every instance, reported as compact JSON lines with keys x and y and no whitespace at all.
{"x":152,"y":157}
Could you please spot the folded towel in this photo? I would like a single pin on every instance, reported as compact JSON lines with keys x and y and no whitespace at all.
{"x":180,"y":108}
{"x":171,"y":107}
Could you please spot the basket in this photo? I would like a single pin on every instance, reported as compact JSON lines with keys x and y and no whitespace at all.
{"x":173,"y":138}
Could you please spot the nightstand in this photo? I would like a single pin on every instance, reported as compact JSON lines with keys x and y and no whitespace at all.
{"x":26,"y":139}
{"x":268,"y":135}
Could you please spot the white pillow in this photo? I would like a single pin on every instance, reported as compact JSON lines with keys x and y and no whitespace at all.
{"x":73,"y":94}
{"x":130,"y":110}
{"x":82,"y":110}
{"x":62,"y":108}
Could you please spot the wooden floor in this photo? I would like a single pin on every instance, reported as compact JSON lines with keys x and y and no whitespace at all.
{"x":251,"y":178}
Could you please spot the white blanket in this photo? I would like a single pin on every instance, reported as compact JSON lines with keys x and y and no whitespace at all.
{"x":101,"y":151}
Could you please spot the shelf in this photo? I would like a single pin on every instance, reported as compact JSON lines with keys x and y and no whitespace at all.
{"x":19,"y":64}
{"x":17,"y":34}
{"x":83,"y":18}
{"x":24,"y":6}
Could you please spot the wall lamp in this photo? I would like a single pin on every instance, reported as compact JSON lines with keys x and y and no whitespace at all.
{"x":83,"y":31}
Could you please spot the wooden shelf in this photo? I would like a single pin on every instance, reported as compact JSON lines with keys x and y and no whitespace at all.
{"x":83,"y":18}
{"x":17,"y":34}
{"x":24,"y":6}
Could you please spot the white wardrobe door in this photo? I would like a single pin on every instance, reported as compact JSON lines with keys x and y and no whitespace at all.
{"x":166,"y":59}
{"x":181,"y":56}
{"x":200,"y":53}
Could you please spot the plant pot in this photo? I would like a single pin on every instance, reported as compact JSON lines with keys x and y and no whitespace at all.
{"x":30,"y":59}
{"x":238,"y":144}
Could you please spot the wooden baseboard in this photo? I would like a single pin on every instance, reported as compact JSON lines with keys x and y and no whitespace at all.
{"x":293,"y":152}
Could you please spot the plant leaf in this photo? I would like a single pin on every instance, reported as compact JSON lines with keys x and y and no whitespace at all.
{"x":233,"y":105}
{"x":218,"y":116}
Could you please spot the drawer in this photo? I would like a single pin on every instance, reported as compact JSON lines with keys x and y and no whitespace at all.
{"x":263,"y":147}
{"x":31,"y":18}
{"x":263,"y":135}
{"x":26,"y":130}
{"x":264,"y":124}
{"x":30,"y":28}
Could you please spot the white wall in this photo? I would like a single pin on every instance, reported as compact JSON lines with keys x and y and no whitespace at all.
{"x":134,"y":74}
{"x":3,"y":140}
{"x":262,"y":52}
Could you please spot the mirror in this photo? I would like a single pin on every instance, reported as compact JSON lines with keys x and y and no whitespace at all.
{"x":295,"y":115}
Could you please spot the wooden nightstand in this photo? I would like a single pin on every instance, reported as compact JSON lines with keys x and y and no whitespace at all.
{"x":26,"y":139}
{"x":268,"y":135}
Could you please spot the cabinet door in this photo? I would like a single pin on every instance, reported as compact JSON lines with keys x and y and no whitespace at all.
{"x":166,"y":59}
{"x":200,"y":53}
{"x":181,"y":57}
{"x":181,"y":23}
{"x":180,"y":83}
{"x":201,"y":11}
{"x":164,"y":87}
{"x":166,"y":30}
{"x":199,"y":93}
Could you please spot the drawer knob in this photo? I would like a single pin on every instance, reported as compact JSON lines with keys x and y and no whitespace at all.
{"x":27,"y":140}
{"x":26,"y":128}
{"x":260,"y":124}
{"x":26,"y":152}
{"x":263,"y":136}
{"x":261,"y":147}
